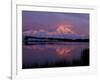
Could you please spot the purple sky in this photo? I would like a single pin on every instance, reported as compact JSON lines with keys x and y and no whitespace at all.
{"x":42,"y":22}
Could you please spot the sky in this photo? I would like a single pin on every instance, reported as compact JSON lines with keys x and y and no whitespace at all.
{"x":55,"y":24}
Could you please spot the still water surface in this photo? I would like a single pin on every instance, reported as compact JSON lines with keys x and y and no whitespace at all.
{"x":39,"y":54}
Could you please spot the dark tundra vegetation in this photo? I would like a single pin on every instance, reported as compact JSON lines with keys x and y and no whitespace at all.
{"x":29,"y":40}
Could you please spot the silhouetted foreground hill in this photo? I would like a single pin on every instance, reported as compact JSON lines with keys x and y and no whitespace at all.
{"x":31,"y":40}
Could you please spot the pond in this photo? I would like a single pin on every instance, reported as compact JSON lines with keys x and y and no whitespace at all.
{"x":55,"y":54}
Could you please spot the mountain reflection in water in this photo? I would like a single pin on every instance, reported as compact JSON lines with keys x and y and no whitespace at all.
{"x":61,"y":54}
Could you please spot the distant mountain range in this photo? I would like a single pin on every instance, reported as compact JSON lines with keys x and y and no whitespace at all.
{"x":59,"y":32}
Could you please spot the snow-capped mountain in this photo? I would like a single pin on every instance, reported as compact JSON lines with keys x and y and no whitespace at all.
{"x":59,"y":32}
